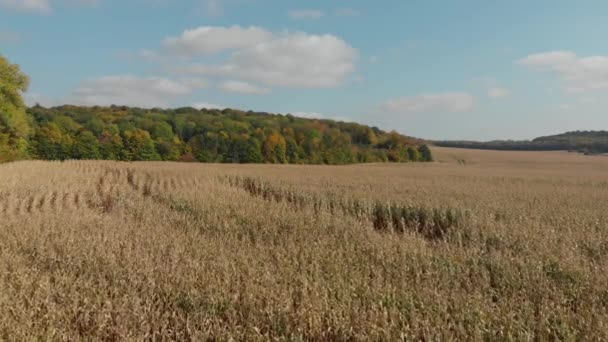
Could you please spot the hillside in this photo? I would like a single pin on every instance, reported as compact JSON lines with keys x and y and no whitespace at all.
{"x":590,"y":142}
{"x":210,"y":135}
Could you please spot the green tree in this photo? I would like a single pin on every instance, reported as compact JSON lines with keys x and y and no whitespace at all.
{"x":311,"y":145}
{"x":14,"y":124}
{"x":394,"y":155}
{"x":205,"y":147}
{"x":292,"y":153}
{"x":425,"y":153}
{"x":184,"y":129}
{"x":403,"y":155}
{"x":186,"y":134}
{"x":162,"y":131}
{"x":138,"y":145}
{"x":253,"y":152}
{"x":110,"y":144}
{"x":67,"y":124}
{"x":364,"y":156}
{"x":393,"y":141}
{"x":86,"y":146}
{"x":96,"y":125}
{"x":170,"y":150}
{"x":51,"y":144}
{"x":413,"y":154}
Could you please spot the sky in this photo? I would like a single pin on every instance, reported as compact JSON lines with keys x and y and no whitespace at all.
{"x":435,"y":69}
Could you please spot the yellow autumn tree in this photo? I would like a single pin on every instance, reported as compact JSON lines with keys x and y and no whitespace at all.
{"x":275,"y":148}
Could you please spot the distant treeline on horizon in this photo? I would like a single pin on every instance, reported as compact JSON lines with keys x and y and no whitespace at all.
{"x":589,"y":142}
{"x":206,"y":135}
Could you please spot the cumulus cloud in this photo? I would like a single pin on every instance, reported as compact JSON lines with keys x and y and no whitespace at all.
{"x":306,"y":14}
{"x":432,"y":102}
{"x":208,"y":40}
{"x":578,"y":74}
{"x":498,"y":92}
{"x":243,"y":88}
{"x":278,"y":60}
{"x":131,"y":90}
{"x":194,"y":83}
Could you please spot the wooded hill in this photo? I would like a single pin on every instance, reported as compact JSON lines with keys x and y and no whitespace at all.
{"x":589,"y":142}
{"x":185,"y":134}
{"x":209,"y":135}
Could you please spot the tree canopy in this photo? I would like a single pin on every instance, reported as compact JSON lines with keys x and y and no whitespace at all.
{"x":14,"y":123}
{"x":211,"y":135}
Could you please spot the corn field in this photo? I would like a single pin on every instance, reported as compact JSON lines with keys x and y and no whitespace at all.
{"x":479,"y":245}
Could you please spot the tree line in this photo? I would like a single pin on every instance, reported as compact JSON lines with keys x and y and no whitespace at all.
{"x":186,"y":134}
{"x":588,"y":142}
{"x":210,"y":135}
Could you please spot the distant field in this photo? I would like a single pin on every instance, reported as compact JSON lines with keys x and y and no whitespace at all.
{"x":477,"y":245}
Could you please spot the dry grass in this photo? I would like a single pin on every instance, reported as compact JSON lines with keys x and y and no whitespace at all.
{"x":131,"y":251}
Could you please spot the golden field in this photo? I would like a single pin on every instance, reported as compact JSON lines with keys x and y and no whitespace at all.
{"x":480,"y":245}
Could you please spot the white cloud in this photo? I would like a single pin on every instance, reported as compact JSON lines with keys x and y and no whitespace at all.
{"x":498,"y":92}
{"x":194,"y":83}
{"x":347,"y":12}
{"x":578,"y":74}
{"x":287,"y":60}
{"x":209,"y":40}
{"x":565,"y":107}
{"x":493,"y":88}
{"x":41,"y":6}
{"x":243,"y":88}
{"x":206,"y":105}
{"x":130,"y":90}
{"x":306,"y":14}
{"x":587,"y":100}
{"x":432,"y":102}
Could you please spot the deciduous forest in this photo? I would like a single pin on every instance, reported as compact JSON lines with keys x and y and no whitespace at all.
{"x":185,"y":134}
{"x":210,"y":135}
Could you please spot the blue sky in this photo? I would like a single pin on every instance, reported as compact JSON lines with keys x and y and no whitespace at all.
{"x":438,"y":69}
